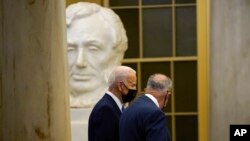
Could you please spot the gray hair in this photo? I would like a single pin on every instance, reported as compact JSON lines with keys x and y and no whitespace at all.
{"x":120,"y":73}
{"x":84,"y":9}
{"x":159,"y":82}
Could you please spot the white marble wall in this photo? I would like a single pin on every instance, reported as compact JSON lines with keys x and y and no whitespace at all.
{"x":230,"y":66}
{"x":35,"y":103}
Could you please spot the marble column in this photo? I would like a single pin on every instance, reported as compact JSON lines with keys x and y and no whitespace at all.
{"x":230,"y":65}
{"x":35,"y":103}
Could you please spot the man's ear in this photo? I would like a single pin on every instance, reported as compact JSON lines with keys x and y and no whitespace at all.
{"x":160,"y":94}
{"x":119,"y":86}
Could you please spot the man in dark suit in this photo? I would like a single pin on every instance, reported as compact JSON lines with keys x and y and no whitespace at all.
{"x":144,"y":120}
{"x":104,"y":118}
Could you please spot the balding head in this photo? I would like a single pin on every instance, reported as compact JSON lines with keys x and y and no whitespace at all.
{"x":159,"y":82}
{"x":160,"y":86}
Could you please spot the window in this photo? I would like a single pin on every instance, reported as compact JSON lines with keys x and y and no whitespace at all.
{"x":170,"y":37}
{"x":163,"y":38}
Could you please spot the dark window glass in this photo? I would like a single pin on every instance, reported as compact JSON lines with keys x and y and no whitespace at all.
{"x":152,"y":2}
{"x":186,"y":31}
{"x":157,"y":32}
{"x":186,"y":128}
{"x":185,"y":1}
{"x":132,"y":65}
{"x":148,"y":69}
{"x":123,"y":2}
{"x":185,"y":86}
{"x":130,"y":21}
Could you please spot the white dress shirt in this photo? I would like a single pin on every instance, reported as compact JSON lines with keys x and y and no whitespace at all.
{"x":153,"y":99}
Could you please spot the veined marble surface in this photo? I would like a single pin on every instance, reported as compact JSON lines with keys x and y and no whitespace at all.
{"x":79,"y":123}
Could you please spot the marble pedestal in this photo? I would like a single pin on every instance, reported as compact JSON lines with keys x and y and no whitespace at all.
{"x":79,"y":123}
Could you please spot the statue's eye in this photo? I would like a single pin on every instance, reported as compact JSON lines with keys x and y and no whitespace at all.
{"x":71,"y":47}
{"x":93,"y":46}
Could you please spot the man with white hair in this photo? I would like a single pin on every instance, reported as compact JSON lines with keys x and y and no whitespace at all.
{"x":104,"y":119}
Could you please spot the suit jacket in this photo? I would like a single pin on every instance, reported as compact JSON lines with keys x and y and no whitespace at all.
{"x":104,"y":120}
{"x":143,"y":121}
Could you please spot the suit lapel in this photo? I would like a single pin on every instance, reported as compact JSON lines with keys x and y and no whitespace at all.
{"x":112,"y":102}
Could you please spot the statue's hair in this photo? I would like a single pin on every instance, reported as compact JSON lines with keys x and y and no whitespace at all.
{"x":81,"y":10}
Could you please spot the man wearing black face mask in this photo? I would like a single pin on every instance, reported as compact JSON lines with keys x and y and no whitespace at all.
{"x":143,"y":120}
{"x":130,"y":94}
{"x":104,"y":118}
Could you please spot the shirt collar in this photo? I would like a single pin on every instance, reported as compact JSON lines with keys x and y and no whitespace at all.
{"x":153,"y":99}
{"x":117,"y":101}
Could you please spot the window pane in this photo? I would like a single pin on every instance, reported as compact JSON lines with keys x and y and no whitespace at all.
{"x":185,"y":1}
{"x":130,"y":20}
{"x":186,"y":31}
{"x":148,"y":69}
{"x":132,"y":65}
{"x":148,"y":2}
{"x":185,"y":86}
{"x":123,"y":2}
{"x":157,"y":32}
{"x":186,"y":128}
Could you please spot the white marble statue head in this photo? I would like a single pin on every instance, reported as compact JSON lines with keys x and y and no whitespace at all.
{"x":96,"y":42}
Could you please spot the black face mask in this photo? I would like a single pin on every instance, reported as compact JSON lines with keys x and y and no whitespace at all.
{"x":129,"y":96}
